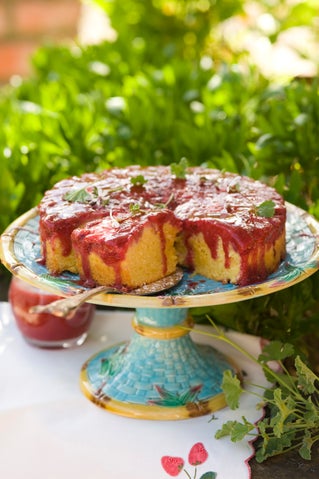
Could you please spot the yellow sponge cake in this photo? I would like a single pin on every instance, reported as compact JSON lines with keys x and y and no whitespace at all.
{"x":131,"y":226}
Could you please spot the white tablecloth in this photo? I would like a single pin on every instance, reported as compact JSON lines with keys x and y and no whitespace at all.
{"x":49,"y":430}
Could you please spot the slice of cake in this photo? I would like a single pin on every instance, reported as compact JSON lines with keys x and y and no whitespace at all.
{"x":228,"y":234}
{"x":129,"y":250}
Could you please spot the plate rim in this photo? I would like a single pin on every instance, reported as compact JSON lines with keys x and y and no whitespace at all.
{"x":238,"y":293}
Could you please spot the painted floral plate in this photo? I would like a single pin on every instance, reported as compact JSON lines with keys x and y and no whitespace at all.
{"x":20,"y":252}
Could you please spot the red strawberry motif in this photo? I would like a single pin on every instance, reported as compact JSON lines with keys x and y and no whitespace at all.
{"x":198,"y":454}
{"x":172,"y":465}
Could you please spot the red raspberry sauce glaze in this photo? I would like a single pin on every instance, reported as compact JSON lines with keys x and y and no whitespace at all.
{"x":117,"y":203}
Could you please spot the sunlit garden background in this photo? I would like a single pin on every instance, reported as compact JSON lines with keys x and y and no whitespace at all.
{"x":229,"y":84}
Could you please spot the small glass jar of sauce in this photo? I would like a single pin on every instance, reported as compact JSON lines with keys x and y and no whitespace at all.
{"x":45,"y":330}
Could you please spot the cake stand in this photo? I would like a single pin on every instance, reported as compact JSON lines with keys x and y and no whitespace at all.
{"x":161,"y":373}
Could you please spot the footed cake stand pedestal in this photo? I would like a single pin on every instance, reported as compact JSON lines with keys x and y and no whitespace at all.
{"x":161,"y":373}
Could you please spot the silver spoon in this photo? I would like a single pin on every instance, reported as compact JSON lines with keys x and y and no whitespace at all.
{"x":66,"y":307}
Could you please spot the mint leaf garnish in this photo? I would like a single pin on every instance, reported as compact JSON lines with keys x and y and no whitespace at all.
{"x":138,"y":180}
{"x":135,"y":208}
{"x":80,"y":196}
{"x":266,"y":209}
{"x":179,"y":169}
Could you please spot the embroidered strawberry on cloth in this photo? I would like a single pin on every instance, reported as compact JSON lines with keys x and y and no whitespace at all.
{"x":197,"y":455}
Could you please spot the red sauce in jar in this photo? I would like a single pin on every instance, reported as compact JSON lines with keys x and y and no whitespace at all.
{"x":46,"y":330}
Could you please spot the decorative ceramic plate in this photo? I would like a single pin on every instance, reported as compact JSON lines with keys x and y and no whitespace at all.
{"x":20,"y":251}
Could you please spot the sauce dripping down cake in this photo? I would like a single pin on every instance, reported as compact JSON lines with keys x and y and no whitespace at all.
{"x":132,"y":226}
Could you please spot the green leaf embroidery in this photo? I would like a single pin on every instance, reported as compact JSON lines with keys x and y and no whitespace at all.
{"x":209,"y":475}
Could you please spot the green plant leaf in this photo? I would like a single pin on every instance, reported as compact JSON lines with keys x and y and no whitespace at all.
{"x":231,"y":388}
{"x":307,"y":379}
{"x":276,"y":351}
{"x":311,"y":416}
{"x":225,"y":430}
{"x":286,"y":407}
{"x":240,"y":430}
{"x":305,"y":448}
{"x":235,"y":429}
{"x":271,"y":446}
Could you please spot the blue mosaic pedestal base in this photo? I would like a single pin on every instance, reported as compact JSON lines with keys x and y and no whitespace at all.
{"x":160,"y":374}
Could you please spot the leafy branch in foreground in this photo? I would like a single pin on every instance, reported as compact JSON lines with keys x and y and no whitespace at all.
{"x":292,"y":421}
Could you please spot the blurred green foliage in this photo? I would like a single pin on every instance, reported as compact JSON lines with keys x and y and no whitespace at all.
{"x":170,"y":86}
